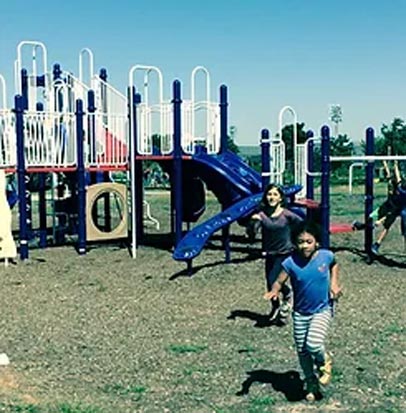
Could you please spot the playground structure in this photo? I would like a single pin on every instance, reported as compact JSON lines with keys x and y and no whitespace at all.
{"x":369,"y":160}
{"x":83,"y":131}
{"x":80,"y":133}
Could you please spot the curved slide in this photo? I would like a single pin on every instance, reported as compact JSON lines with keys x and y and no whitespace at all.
{"x":238,"y":188}
{"x":228,"y":176}
{"x":193,"y":242}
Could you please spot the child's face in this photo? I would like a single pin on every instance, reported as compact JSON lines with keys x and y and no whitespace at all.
{"x":273,"y":197}
{"x":306,"y":244}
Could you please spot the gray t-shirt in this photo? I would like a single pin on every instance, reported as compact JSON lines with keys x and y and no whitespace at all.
{"x":277,"y":231}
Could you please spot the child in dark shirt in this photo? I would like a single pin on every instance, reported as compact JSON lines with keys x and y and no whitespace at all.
{"x":277,"y":223}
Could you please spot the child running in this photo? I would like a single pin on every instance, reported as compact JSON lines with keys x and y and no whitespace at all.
{"x":313,"y":274}
{"x":277,"y":225}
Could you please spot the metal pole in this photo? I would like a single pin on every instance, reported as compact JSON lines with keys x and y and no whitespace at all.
{"x":265,"y":158}
{"x":223,"y":148}
{"x":134,"y":100}
{"x":368,"y":158}
{"x":19,"y":103}
{"x":310,"y":165}
{"x":325,"y":188}
{"x":223,"y":118}
{"x":81,"y":179}
{"x":177,"y":161}
{"x":369,"y":193}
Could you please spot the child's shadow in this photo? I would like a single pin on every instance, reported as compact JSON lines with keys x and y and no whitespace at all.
{"x":261,"y":320}
{"x":288,"y":383}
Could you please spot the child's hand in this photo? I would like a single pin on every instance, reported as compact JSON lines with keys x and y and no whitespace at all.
{"x":336,"y":292}
{"x":257,"y":217}
{"x":271,"y":295}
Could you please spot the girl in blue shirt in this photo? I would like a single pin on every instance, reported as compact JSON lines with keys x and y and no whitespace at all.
{"x":313,"y":274}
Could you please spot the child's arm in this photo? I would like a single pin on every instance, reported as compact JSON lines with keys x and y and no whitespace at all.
{"x":257,"y":216}
{"x":277,"y":285}
{"x":397,"y":172}
{"x":335,"y":288}
{"x":386,"y":169}
{"x":380,"y":221}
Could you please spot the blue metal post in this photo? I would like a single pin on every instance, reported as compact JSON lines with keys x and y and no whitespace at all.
{"x":265,"y":158}
{"x":138,"y":175}
{"x":369,"y":192}
{"x":223,"y":118}
{"x":19,"y":104}
{"x":265,"y":165}
{"x":57,"y":74}
{"x":103,"y":74}
{"x":91,"y":109}
{"x":103,"y":92}
{"x":223,"y":148}
{"x":81,"y":179}
{"x":177,"y":162}
{"x":310,"y":178}
{"x":310,"y":164}
{"x":24,"y":88}
{"x":42,"y":202}
{"x":325,"y":186}
{"x":56,"y":71}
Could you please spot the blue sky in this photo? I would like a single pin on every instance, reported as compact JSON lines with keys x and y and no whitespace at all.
{"x":270,"y":53}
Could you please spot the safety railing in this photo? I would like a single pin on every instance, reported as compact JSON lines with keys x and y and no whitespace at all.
{"x":8,"y":151}
{"x":49,"y":139}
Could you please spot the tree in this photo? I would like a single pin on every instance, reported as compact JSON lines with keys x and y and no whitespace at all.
{"x":288,"y":137}
{"x":394,"y":137}
{"x":341,"y":145}
{"x":231,"y":145}
{"x":336,"y":116}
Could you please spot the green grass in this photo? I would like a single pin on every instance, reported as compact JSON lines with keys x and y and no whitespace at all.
{"x":104,"y":333}
{"x":261,"y":404}
{"x":186,"y":348}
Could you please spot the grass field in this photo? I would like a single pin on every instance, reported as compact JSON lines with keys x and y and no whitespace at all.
{"x":103,"y":333}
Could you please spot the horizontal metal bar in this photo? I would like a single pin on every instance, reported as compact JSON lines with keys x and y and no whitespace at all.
{"x":368,"y":158}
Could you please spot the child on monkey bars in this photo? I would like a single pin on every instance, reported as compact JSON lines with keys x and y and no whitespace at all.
{"x":392,"y":207}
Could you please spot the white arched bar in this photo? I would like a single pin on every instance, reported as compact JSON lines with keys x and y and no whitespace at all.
{"x":86,"y":51}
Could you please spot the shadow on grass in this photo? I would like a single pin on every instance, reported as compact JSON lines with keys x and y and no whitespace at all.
{"x":381,"y":259}
{"x":288,"y":383}
{"x":261,"y":320}
{"x":190,"y":270}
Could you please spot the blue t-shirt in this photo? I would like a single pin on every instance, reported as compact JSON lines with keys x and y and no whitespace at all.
{"x":310,"y":280}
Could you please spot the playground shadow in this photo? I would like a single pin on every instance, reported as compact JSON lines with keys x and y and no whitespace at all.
{"x":289,"y":383}
{"x":385,"y":260}
{"x":260,"y":320}
{"x":160,"y":241}
{"x":189,"y":272}
{"x":388,"y":262}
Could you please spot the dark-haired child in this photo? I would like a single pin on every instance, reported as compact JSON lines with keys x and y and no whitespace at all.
{"x":277,"y":224}
{"x":313,"y":274}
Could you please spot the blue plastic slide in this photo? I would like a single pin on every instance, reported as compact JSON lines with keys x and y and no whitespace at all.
{"x":193,"y":242}
{"x":228,"y":176}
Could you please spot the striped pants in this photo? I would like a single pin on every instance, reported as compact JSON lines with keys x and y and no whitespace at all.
{"x":310,"y":332}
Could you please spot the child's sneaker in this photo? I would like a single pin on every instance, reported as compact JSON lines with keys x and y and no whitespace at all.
{"x":326,"y":370}
{"x":312,"y":390}
{"x":375,"y":248}
{"x":275,"y":309}
{"x":358,"y":226}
